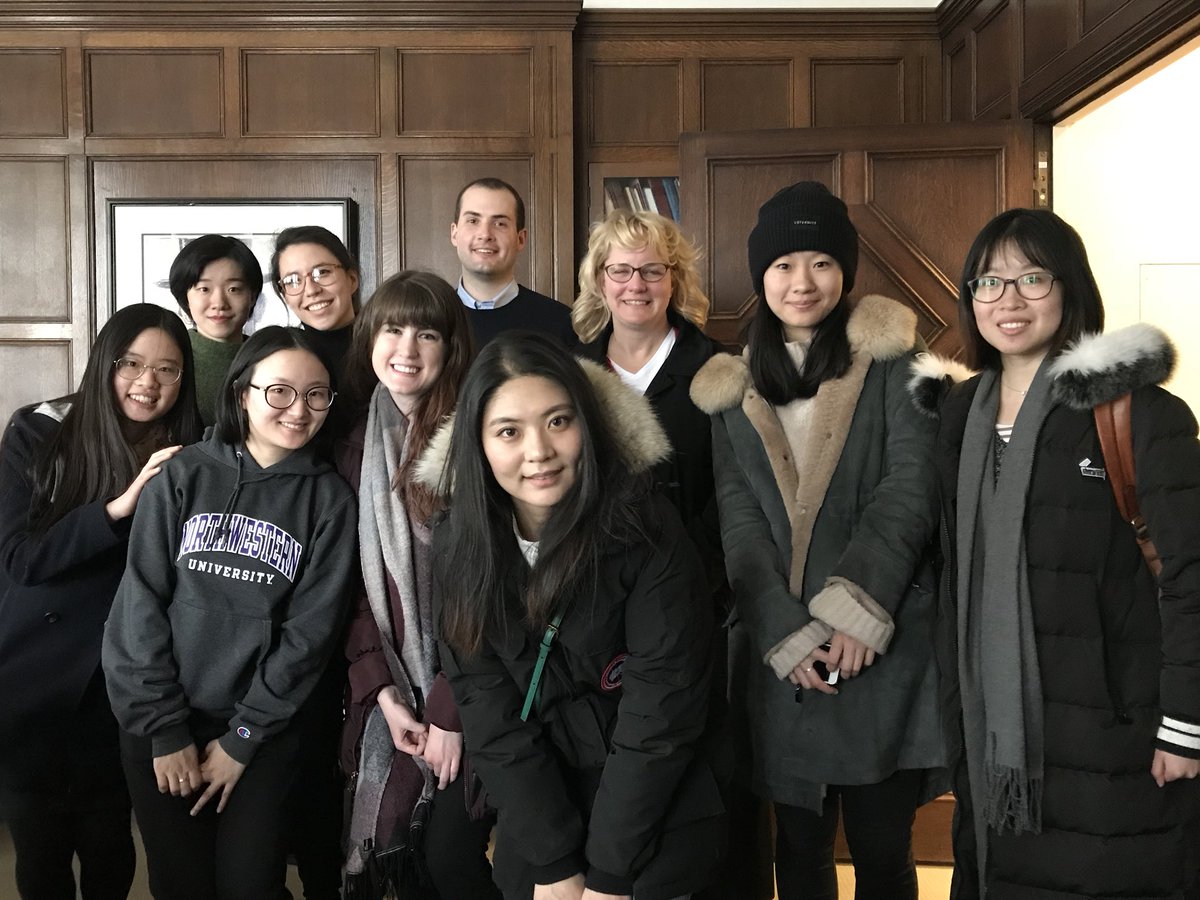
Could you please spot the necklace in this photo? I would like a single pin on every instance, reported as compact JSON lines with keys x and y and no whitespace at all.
{"x":1014,"y":390}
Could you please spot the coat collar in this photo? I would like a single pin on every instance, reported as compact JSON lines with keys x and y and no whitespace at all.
{"x":1095,"y":369}
{"x":640,"y":438}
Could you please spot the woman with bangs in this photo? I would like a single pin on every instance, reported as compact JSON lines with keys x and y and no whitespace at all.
{"x":402,"y":743}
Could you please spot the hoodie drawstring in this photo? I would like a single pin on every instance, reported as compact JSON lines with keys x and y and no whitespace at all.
{"x":227,"y":512}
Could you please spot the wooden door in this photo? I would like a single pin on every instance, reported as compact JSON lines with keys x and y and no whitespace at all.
{"x":918,"y":195}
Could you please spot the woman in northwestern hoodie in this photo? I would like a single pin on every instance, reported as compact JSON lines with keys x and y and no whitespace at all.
{"x":228,"y":611}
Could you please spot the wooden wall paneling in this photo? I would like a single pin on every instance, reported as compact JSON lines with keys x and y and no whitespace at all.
{"x":1096,"y":11}
{"x":33,"y":102}
{"x":440,"y":91}
{"x":33,"y":369}
{"x":635,"y":103}
{"x":229,"y":177}
{"x":310,"y":92}
{"x":429,"y":186}
{"x":155,"y":93}
{"x":1118,"y":41}
{"x":35,"y":240}
{"x":995,"y":64}
{"x":1048,"y":30}
{"x":857,"y":92}
{"x":960,"y":93}
{"x":741,"y":95}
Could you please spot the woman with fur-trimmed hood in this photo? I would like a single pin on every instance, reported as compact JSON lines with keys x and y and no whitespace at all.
{"x":1073,"y":677}
{"x":575,"y":630}
{"x":825,"y":483}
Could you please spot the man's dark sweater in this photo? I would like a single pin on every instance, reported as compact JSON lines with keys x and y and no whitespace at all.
{"x":528,"y":309}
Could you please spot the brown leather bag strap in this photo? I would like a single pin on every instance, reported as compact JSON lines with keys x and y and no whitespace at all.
{"x":1114,"y":426}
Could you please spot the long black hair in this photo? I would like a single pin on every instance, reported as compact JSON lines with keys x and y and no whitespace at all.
{"x":1046,"y":240}
{"x":775,"y":375}
{"x":477,"y":550}
{"x":89,"y":458}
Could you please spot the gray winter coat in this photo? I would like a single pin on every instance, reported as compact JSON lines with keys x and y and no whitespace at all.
{"x":841,"y":545}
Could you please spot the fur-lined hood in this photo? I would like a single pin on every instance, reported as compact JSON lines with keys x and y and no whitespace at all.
{"x":1095,"y":369}
{"x":878,"y":327}
{"x":640,"y":438}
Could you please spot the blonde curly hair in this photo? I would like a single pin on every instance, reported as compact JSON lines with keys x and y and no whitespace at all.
{"x":632,"y":230}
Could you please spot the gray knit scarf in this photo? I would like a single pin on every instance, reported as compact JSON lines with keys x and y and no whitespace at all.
{"x":385,"y":543}
{"x":997,"y":660}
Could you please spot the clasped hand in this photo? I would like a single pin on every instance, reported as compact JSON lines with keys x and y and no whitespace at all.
{"x":442,"y":750}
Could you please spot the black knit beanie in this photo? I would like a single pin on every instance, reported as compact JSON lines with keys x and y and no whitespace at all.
{"x":804,"y":216}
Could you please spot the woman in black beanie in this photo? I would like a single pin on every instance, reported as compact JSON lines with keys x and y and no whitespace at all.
{"x":827,"y":498}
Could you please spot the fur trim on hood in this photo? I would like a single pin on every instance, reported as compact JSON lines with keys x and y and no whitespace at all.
{"x":1101,"y":367}
{"x":929,"y":380}
{"x":1095,"y":369}
{"x":630,"y":418}
{"x":878,"y":327}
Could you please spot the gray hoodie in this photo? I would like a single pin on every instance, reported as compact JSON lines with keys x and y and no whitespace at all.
{"x":232,"y":598}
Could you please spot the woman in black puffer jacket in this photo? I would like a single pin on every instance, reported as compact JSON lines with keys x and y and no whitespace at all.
{"x":1074,"y":677}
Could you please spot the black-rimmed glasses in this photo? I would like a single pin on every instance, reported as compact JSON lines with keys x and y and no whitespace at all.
{"x":650,"y":272}
{"x":131,"y":370}
{"x":323,"y":274}
{"x":282,"y":396}
{"x":1031,"y":286}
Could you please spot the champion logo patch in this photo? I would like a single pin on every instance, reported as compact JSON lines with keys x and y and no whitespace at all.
{"x":1087,"y":470}
{"x":611,"y":679}
{"x":243,"y":732}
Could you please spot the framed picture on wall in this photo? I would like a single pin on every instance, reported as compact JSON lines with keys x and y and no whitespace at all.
{"x":147,"y":235}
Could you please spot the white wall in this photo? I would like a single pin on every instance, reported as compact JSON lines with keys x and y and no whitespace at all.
{"x":1126,"y":174}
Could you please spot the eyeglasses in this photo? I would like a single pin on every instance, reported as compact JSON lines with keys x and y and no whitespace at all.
{"x":282,"y":396}
{"x":650,"y":272}
{"x":131,"y":370}
{"x":1031,"y":286}
{"x":323,"y":274}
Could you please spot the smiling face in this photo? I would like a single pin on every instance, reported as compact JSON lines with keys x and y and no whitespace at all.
{"x":276,"y":433}
{"x":1021,"y":330}
{"x":486,"y":235}
{"x":408,"y":360}
{"x":144,"y":400}
{"x":220,"y":302}
{"x":320,"y":306}
{"x":802,"y":288}
{"x":637,"y":304}
{"x":532,"y":441}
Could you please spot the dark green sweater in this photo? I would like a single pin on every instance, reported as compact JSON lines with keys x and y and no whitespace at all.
{"x":213,"y":359}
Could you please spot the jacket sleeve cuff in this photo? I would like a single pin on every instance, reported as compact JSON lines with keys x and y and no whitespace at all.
{"x":1179,"y":736}
{"x":240,"y":749}
{"x":440,"y":708}
{"x":607,"y":883}
{"x":559,"y":870}
{"x":847,"y":608}
{"x":170,"y":740}
{"x":790,"y":652}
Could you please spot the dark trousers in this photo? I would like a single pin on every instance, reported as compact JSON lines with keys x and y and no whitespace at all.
{"x":46,"y":843}
{"x":456,"y":848}
{"x":878,"y":821}
{"x":64,"y":797}
{"x":238,"y":854}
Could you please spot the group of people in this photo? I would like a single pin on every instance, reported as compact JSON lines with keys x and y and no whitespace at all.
{"x":579,"y":585}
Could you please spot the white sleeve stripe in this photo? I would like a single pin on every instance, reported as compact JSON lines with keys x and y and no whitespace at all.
{"x":1180,"y":725}
{"x":1181,"y":740}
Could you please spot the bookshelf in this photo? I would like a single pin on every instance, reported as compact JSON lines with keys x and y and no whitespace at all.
{"x":633,"y":186}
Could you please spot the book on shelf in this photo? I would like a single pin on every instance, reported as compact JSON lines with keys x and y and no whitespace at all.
{"x":659,"y":194}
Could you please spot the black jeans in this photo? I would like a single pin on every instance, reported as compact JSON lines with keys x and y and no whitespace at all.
{"x":456,"y":848}
{"x":238,"y":854}
{"x":878,"y":821}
